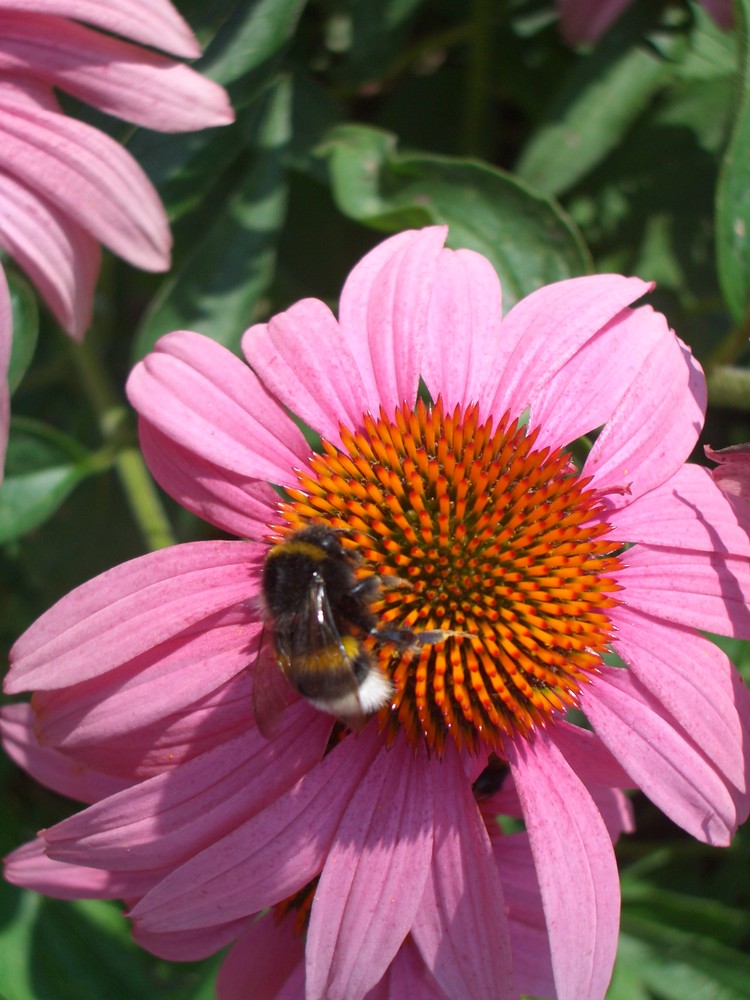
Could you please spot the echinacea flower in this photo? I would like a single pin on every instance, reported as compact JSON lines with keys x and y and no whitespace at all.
{"x":452,"y":460}
{"x":268,"y":956}
{"x":66,"y":187}
{"x":587,"y":20}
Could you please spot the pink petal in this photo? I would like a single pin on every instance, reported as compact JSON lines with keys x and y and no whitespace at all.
{"x":615,"y":808}
{"x":58,"y":255}
{"x":550,"y":326}
{"x":88,"y":176}
{"x":6,"y":336}
{"x":584,"y":393}
{"x":532,"y":962}
{"x":576,"y":867}
{"x":190,"y":946}
{"x":294,"y":987}
{"x":696,"y":683}
{"x":703,"y":590}
{"x":151,"y":687}
{"x":131,"y":608}
{"x":674,"y":773}
{"x":269,"y":858}
{"x":374,"y":877}
{"x":29,"y":93}
{"x":238,"y":505}
{"x":29,"y":867}
{"x":688,"y":511}
{"x":207,"y":401}
{"x":733,"y":472}
{"x":162,"y":822}
{"x":600,"y":772}
{"x":341,"y":381}
{"x":587,"y":20}
{"x":461,"y":927}
{"x":165,"y":745}
{"x":407,"y":976}
{"x":384,"y":312}
{"x":153,"y":22}
{"x":117,"y":77}
{"x":460,"y":359}
{"x":53,"y":769}
{"x":304,"y":359}
{"x":262,"y":960}
{"x":655,"y":425}
{"x":589,"y":757}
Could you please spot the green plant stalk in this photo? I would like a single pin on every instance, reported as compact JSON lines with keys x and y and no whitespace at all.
{"x":114,"y":425}
{"x":729,"y":386}
{"x":474,"y":137}
{"x":731,"y":347}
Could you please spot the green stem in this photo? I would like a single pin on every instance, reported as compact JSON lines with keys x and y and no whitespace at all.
{"x":474,"y":138}
{"x":731,"y":346}
{"x":729,"y":386}
{"x":114,"y":425}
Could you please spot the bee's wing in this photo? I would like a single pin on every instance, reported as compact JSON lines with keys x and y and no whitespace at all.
{"x":272,"y":692}
{"x":316,"y":646}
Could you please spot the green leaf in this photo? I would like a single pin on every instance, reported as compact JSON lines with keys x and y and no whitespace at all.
{"x":713,"y":51}
{"x":217,"y":288}
{"x":676,"y":964}
{"x":43,"y":467}
{"x":25,"y":327}
{"x":82,"y":950}
{"x":361,"y":39}
{"x":528,"y":238}
{"x":184,"y":166}
{"x":251,"y":37}
{"x":602,"y":97}
{"x":733,"y":196}
{"x":246,"y":56}
{"x":693,"y":914}
{"x":674,"y":945}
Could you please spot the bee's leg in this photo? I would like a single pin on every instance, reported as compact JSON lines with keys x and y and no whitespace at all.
{"x":367,"y":588}
{"x":410,"y":637}
{"x":399,"y":636}
{"x":393,"y":582}
{"x":431,"y":636}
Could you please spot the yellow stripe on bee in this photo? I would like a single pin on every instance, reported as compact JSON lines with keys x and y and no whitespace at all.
{"x":351,"y":646}
{"x":309,"y":549}
{"x":328,"y":659}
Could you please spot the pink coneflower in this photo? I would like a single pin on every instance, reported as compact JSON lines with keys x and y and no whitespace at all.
{"x":587,"y":20}
{"x":268,"y":955}
{"x":450,"y":457}
{"x":66,"y":187}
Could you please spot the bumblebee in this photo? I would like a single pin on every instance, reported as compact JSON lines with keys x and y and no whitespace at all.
{"x":317,"y":613}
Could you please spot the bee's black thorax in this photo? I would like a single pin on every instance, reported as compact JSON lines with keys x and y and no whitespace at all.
{"x":313,"y":555}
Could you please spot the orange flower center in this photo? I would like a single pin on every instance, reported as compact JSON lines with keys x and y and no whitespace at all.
{"x":481,"y":537}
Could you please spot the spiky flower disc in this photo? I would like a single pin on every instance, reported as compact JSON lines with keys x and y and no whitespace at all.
{"x":479,"y":535}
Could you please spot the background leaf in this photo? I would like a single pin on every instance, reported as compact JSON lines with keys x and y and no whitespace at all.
{"x":733,"y":196}
{"x":604,"y":94}
{"x":216,"y":289}
{"x":83,"y":951}
{"x":43,"y":467}
{"x":25,"y":327}
{"x":527,"y":237}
